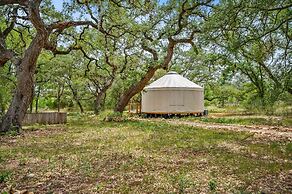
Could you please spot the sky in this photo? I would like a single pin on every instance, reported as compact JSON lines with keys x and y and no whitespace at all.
{"x":58,"y":3}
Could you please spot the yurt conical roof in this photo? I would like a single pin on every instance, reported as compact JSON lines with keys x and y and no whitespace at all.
{"x":173,"y":80}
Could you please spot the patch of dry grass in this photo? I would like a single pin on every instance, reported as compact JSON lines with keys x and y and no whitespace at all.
{"x":90,"y":156}
{"x":241,"y":119}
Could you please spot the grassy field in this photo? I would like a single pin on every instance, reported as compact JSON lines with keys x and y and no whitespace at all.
{"x":244,"y":119}
{"x":92,"y":156}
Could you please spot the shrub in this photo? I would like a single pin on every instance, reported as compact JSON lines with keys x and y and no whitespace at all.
{"x":212,"y":185}
{"x":114,"y":116}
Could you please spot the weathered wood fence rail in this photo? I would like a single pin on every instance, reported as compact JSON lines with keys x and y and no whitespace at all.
{"x":45,"y":118}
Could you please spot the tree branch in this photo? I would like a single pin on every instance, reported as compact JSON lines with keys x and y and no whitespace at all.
{"x":67,"y":24}
{"x":11,"y":2}
{"x":152,"y":51}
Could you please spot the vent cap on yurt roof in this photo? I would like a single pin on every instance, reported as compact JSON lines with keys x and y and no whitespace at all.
{"x":173,"y":80}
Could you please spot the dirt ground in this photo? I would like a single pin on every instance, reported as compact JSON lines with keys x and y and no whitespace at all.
{"x":261,"y":131}
{"x":258,"y":131}
{"x":139,"y":155}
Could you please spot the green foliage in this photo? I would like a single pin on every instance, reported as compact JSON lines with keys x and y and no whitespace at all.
{"x":289,"y":148}
{"x":240,"y":53}
{"x":4,"y":176}
{"x":7,"y":81}
{"x":13,"y":132}
{"x":182,"y":182}
{"x":212,"y":185}
{"x":114,"y":116}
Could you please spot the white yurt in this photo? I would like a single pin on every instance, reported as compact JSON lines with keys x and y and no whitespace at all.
{"x":173,"y":94}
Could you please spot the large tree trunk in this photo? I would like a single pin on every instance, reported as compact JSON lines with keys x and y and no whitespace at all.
{"x":25,"y":81}
{"x":32,"y":98}
{"x":136,"y":88}
{"x":31,"y":106}
{"x":100,"y":97}
{"x":98,"y":102}
{"x":80,"y":106}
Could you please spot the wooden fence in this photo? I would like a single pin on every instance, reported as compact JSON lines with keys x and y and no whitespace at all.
{"x":45,"y":118}
{"x":134,"y":108}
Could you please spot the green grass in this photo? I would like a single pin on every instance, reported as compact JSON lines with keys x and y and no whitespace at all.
{"x":285,"y":121}
{"x":89,"y":155}
{"x":4,"y":176}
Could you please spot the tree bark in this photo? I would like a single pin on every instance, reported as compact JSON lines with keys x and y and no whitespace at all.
{"x":98,"y":102}
{"x":37,"y":99}
{"x":2,"y":107}
{"x":32,"y":98}
{"x":31,"y":106}
{"x":59,"y":95}
{"x":136,"y":88}
{"x":23,"y":92}
{"x":80,"y":106}
{"x":5,"y":56}
{"x":75,"y":96}
{"x":274,"y":78}
{"x":58,"y":103}
{"x":100,"y":96}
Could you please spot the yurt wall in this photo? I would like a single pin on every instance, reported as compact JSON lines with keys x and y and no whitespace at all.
{"x":172,"y":101}
{"x":172,"y":94}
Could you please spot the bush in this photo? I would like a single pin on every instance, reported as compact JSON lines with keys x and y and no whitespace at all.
{"x":114,"y":116}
